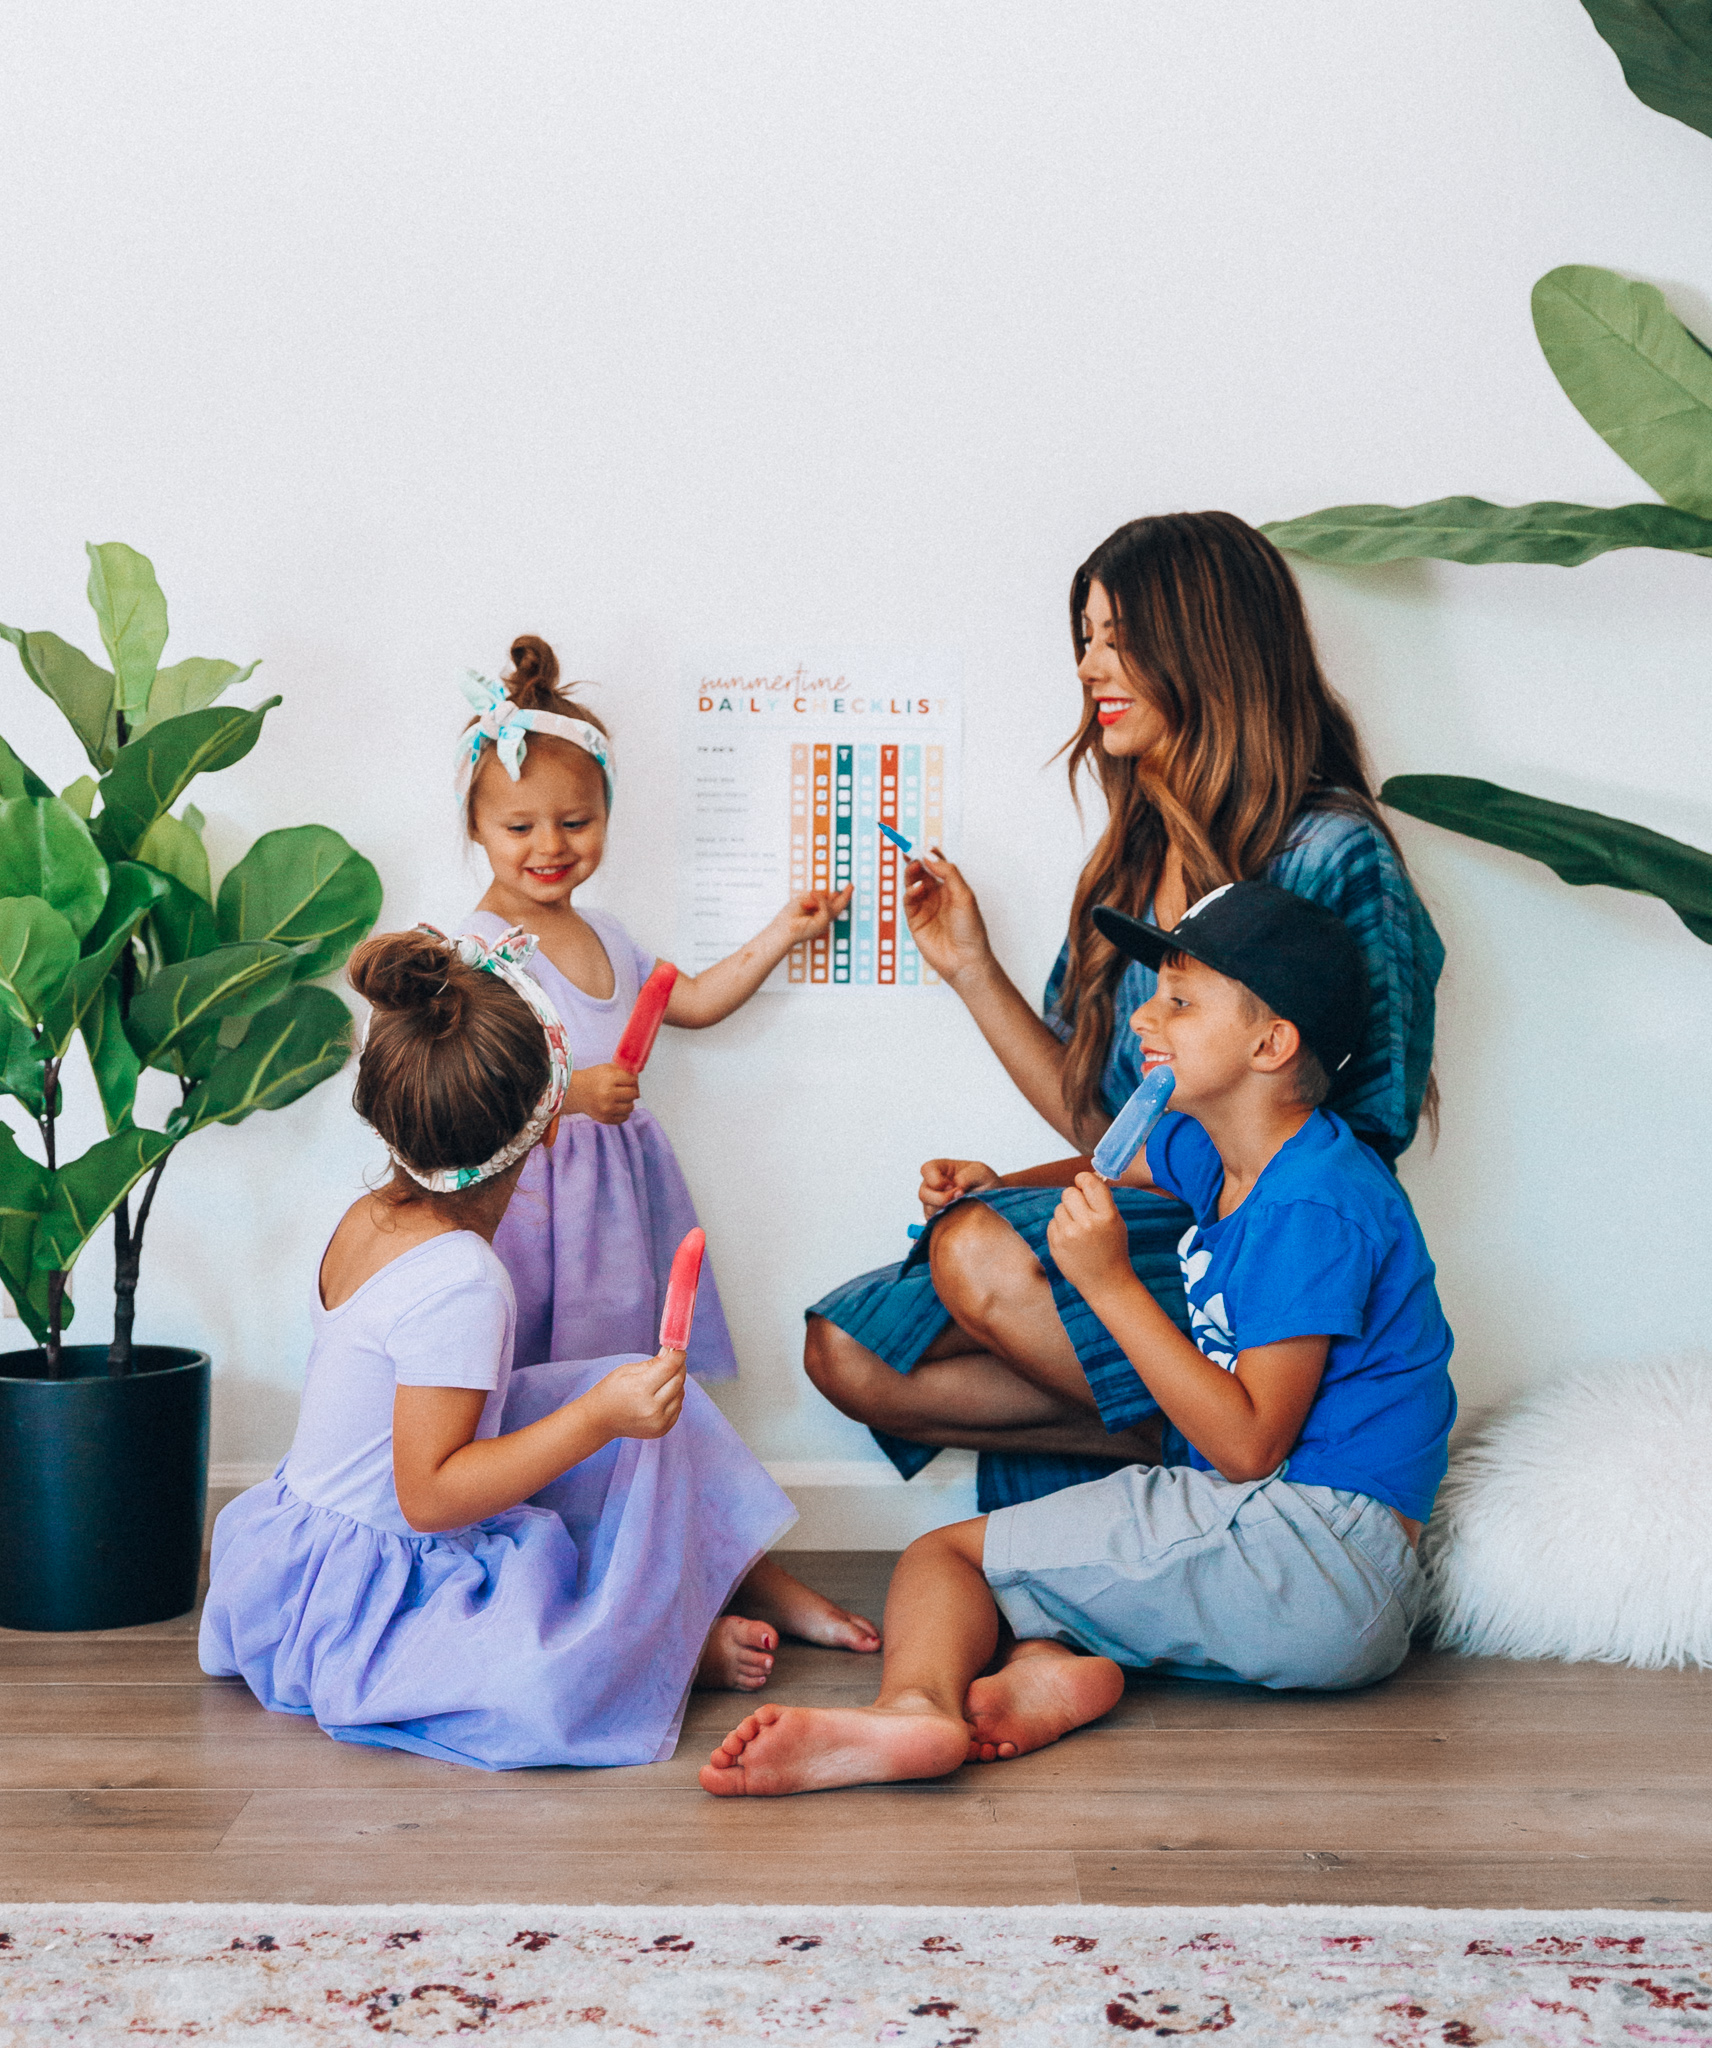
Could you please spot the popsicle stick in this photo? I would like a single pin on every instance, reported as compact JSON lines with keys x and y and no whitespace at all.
{"x":645,"y":1019}
{"x":681,"y":1292}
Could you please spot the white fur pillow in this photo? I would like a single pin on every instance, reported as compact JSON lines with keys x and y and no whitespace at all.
{"x":1578,"y":1524}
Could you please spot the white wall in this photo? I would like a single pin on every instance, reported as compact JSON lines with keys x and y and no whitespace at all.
{"x":391,"y":331}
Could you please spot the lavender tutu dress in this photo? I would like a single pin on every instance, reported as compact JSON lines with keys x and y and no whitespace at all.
{"x":589,"y":1237}
{"x":565,"y":1631}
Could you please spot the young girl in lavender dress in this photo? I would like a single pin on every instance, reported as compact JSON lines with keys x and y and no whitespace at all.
{"x":589,"y":1241}
{"x":491,"y":1570}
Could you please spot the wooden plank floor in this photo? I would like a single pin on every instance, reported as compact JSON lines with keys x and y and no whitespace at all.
{"x":125,"y":1774}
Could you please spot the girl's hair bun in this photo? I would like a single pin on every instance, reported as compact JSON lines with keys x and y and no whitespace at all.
{"x":416,"y":975}
{"x":454,"y":1061}
{"x":533,"y":682}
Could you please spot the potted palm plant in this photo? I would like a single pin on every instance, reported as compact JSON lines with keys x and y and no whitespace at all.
{"x":1643,"y":381}
{"x":113,"y":937}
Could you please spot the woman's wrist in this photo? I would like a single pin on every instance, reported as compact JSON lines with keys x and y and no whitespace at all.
{"x":983,"y":976}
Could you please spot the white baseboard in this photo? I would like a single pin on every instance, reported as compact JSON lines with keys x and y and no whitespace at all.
{"x":843,"y":1503}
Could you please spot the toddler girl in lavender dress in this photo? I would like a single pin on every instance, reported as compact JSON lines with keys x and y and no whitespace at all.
{"x":491,"y":1570}
{"x":589,"y":1241}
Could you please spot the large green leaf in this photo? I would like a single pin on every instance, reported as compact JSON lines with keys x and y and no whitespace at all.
{"x":131,"y":612}
{"x":1635,"y":374}
{"x":1581,"y":846}
{"x":174,"y":846}
{"x":46,"y":851}
{"x":17,"y":778}
{"x":24,"y":1056}
{"x":84,"y":1194}
{"x":82,"y":689}
{"x":188,"y":686}
{"x":112,"y":1056}
{"x":1471,"y":530}
{"x":305,"y":887}
{"x":182,"y":1002}
{"x":1665,"y":49}
{"x":38,"y":949}
{"x":288,"y":1049}
{"x":133,"y":895}
{"x":151,"y":773}
{"x":23,"y":1195}
{"x":182,"y":923}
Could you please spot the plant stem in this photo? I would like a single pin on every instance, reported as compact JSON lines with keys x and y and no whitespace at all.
{"x":56,"y":1312}
{"x":127,"y":1263}
{"x":127,"y":1248}
{"x":56,"y":1281}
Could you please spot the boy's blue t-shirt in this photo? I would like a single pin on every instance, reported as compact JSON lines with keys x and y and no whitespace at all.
{"x":1326,"y":1245}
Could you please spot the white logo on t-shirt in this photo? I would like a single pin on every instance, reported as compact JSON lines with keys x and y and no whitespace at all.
{"x":1209,"y":1323}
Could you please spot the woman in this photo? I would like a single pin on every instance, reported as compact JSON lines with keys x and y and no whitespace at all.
{"x":1222,"y":754}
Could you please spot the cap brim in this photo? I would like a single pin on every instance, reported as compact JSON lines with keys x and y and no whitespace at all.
{"x":1134,"y":936}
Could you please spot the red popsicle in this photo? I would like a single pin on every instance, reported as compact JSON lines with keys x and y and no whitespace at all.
{"x":681,"y":1292}
{"x":644,"y":1025}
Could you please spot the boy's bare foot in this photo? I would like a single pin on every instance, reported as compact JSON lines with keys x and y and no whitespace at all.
{"x":737,"y":1656}
{"x":1041,"y":1692}
{"x":807,"y":1749}
{"x":798,"y":1610}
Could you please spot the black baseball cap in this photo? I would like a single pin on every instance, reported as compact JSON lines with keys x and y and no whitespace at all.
{"x":1299,"y":958}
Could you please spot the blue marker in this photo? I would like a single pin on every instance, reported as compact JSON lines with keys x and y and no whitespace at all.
{"x":1134,"y":1123}
{"x":897,"y":838}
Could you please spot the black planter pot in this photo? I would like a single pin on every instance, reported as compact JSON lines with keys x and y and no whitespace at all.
{"x":103,"y":1487}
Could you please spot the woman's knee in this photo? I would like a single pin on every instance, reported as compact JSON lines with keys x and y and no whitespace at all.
{"x":847,"y":1373}
{"x":979,"y":1265}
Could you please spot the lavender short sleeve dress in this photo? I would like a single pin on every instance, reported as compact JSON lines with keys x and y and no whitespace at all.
{"x":565,"y":1631}
{"x":589,"y":1237}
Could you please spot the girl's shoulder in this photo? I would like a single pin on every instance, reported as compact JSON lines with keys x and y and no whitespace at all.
{"x":456,"y":1262}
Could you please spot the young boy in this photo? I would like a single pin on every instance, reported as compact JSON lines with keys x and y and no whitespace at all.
{"x":1315,"y":1398}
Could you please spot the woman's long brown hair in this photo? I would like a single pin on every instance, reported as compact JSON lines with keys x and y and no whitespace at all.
{"x":1212,"y":631}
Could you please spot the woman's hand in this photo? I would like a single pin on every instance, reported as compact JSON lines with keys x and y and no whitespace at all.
{"x":808,"y":916}
{"x":643,"y":1398}
{"x":944,"y":1180}
{"x":944,"y":919}
{"x":1090,"y":1240}
{"x":607,"y":1093}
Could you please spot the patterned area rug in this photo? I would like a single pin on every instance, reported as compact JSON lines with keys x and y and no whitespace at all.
{"x":908,"y":1977}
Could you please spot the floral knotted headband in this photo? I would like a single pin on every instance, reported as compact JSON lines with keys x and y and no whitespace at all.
{"x":507,"y":959}
{"x":508,"y":725}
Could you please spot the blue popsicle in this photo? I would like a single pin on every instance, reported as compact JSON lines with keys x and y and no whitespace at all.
{"x":1133,"y":1125}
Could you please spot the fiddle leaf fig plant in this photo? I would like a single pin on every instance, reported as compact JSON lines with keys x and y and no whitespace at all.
{"x":112,"y":932}
{"x":1643,"y":382}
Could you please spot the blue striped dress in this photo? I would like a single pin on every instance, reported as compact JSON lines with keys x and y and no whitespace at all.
{"x":1332,"y":857}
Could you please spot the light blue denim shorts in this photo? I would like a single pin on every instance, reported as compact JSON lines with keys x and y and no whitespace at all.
{"x":1192,"y":1576}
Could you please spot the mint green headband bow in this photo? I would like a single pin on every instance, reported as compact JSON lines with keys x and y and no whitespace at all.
{"x":508,"y":725}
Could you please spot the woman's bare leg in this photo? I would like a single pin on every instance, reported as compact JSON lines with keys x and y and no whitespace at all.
{"x":966,"y":1401}
{"x":998,"y":1293}
{"x":1003,"y":1377}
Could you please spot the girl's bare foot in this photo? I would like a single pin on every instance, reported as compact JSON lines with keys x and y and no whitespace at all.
{"x":1042,"y":1691}
{"x":807,"y":1749}
{"x":798,"y":1610}
{"x":737,"y":1656}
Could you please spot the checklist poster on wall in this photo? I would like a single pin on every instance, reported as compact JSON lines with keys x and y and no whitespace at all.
{"x":789,"y":769}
